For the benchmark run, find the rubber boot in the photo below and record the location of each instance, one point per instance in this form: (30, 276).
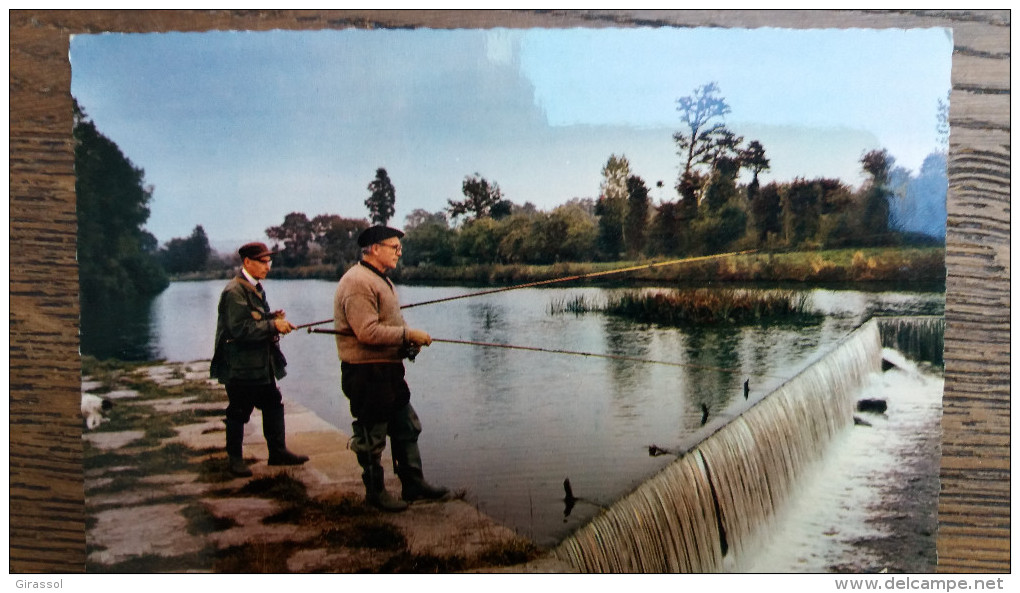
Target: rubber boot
(375, 488)
(235, 439)
(407, 466)
(274, 429)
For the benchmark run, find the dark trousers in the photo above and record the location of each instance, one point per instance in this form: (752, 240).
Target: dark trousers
(242, 400)
(379, 399)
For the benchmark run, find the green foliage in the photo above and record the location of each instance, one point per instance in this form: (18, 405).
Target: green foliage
(527, 236)
(477, 241)
(116, 256)
(192, 254)
(669, 229)
(636, 223)
(875, 217)
(337, 238)
(295, 234)
(722, 185)
(573, 230)
(714, 212)
(517, 244)
(837, 230)
(614, 177)
(427, 240)
(480, 197)
(719, 232)
(912, 265)
(419, 217)
(327, 239)
(611, 207)
(380, 202)
(578, 304)
(753, 159)
(611, 213)
(501, 209)
(801, 205)
(766, 213)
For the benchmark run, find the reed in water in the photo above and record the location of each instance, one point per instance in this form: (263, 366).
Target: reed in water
(694, 306)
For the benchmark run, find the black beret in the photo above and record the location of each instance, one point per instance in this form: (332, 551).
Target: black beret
(255, 251)
(377, 234)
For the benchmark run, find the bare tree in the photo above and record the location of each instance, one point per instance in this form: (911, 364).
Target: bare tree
(702, 114)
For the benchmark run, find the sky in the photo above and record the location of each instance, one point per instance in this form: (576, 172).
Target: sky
(234, 130)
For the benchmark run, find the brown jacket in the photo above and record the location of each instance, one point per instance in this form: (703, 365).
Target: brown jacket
(366, 316)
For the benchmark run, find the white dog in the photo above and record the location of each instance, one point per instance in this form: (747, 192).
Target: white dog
(92, 408)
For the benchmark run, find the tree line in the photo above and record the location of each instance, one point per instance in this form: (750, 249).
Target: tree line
(713, 210)
(717, 205)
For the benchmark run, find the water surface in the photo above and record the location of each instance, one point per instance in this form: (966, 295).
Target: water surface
(509, 426)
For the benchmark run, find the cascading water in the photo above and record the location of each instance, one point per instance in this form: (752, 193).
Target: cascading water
(920, 337)
(667, 525)
(705, 511)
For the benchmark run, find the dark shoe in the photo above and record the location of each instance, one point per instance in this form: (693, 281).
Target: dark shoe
(238, 467)
(285, 457)
(382, 500)
(424, 491)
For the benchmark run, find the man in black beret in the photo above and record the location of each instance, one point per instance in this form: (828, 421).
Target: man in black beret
(372, 339)
(377, 234)
(247, 359)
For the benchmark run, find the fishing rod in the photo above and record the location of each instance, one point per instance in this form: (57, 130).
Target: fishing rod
(586, 354)
(583, 276)
(573, 353)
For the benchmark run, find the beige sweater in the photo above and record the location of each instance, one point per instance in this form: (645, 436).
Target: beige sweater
(366, 315)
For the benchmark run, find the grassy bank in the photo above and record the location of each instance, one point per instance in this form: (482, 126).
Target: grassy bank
(909, 265)
(922, 265)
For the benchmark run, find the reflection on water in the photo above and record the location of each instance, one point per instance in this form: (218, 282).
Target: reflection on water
(122, 330)
(510, 426)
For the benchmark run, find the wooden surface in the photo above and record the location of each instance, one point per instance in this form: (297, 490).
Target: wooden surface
(46, 491)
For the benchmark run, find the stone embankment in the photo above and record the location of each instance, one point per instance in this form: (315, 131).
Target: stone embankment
(159, 497)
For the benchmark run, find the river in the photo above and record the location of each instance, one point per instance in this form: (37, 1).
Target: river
(509, 426)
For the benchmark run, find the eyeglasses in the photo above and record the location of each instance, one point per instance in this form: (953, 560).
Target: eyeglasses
(266, 261)
(397, 248)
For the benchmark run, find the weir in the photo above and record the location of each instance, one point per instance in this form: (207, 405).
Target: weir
(707, 510)
(919, 337)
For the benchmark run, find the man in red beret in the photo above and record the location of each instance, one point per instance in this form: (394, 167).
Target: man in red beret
(372, 340)
(248, 361)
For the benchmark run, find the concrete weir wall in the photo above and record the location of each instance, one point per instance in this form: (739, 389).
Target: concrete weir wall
(705, 511)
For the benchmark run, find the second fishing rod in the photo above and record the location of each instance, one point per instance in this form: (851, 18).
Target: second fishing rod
(570, 278)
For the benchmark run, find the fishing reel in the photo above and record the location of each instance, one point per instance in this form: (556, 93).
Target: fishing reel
(409, 351)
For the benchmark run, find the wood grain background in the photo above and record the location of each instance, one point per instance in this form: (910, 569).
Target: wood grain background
(47, 521)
